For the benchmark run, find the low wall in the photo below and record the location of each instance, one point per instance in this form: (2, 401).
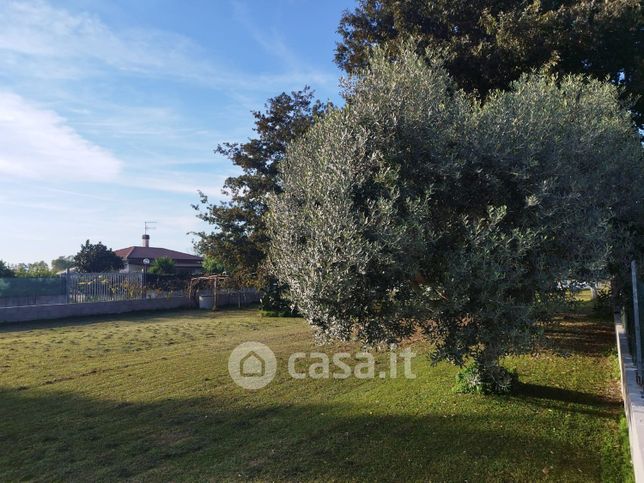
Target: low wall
(633, 401)
(59, 311)
(229, 297)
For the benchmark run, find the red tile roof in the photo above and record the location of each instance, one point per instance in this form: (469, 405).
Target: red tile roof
(139, 253)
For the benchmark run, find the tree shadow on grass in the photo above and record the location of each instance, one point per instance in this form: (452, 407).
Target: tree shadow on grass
(62, 436)
(568, 400)
(582, 337)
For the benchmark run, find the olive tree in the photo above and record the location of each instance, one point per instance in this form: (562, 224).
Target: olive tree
(414, 207)
(561, 158)
(347, 228)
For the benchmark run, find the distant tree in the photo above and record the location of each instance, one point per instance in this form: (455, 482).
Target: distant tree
(239, 237)
(163, 266)
(488, 44)
(62, 263)
(211, 265)
(97, 258)
(36, 269)
(5, 270)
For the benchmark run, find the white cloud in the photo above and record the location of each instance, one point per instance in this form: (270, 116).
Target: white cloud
(170, 182)
(36, 37)
(66, 94)
(39, 144)
(37, 30)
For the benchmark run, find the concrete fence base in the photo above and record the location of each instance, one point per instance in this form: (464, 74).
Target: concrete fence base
(633, 401)
(228, 297)
(59, 311)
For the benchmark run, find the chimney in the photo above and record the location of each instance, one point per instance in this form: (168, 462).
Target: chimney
(146, 240)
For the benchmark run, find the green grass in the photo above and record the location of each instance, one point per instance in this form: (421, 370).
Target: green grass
(148, 397)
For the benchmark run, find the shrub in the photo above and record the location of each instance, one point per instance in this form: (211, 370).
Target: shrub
(163, 266)
(475, 380)
(212, 265)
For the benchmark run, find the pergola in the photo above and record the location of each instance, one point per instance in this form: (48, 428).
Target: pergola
(213, 282)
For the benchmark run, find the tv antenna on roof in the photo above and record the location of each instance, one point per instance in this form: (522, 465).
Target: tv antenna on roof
(149, 225)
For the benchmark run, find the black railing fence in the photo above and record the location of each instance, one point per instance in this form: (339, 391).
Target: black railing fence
(633, 319)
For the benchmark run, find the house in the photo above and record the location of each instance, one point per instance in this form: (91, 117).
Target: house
(134, 256)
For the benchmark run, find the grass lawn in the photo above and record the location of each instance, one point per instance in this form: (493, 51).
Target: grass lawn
(148, 397)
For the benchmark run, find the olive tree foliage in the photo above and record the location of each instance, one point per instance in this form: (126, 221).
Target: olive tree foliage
(417, 208)
(561, 159)
(575, 154)
(347, 230)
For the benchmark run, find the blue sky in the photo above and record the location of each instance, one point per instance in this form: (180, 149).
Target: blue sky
(109, 111)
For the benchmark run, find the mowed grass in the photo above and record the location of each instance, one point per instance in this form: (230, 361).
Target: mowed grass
(148, 397)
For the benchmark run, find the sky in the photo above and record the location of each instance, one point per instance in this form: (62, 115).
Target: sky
(110, 110)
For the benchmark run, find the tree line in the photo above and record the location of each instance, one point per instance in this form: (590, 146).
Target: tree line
(92, 257)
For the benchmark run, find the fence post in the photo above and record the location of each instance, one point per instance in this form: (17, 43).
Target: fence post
(67, 286)
(214, 294)
(636, 322)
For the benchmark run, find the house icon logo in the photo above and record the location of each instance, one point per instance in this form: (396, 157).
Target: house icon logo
(252, 365)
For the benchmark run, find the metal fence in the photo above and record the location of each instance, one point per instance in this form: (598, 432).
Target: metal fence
(78, 288)
(103, 287)
(633, 319)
